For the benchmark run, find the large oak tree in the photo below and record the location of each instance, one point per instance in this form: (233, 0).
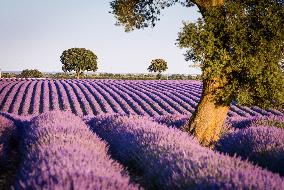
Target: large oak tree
(238, 44)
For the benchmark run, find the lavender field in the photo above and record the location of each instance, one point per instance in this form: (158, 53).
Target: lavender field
(117, 134)
(95, 97)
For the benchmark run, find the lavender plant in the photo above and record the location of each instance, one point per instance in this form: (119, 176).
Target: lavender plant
(132, 103)
(15, 107)
(166, 158)
(28, 99)
(176, 121)
(240, 122)
(103, 104)
(72, 98)
(83, 100)
(263, 146)
(148, 109)
(45, 97)
(54, 98)
(8, 155)
(60, 152)
(7, 133)
(64, 101)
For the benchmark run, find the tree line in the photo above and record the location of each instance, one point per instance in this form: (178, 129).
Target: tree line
(80, 60)
(29, 73)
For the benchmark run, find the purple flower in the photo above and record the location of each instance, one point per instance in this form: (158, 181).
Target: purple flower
(166, 158)
(261, 145)
(7, 135)
(60, 152)
(241, 122)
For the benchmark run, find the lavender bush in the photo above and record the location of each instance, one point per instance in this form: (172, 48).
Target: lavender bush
(171, 100)
(7, 133)
(64, 101)
(60, 152)
(132, 103)
(27, 99)
(9, 158)
(166, 158)
(262, 145)
(83, 100)
(154, 105)
(106, 98)
(73, 99)
(176, 121)
(241, 122)
(102, 104)
(148, 109)
(10, 97)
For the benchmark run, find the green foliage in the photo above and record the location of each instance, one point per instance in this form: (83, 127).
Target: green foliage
(8, 75)
(31, 73)
(136, 14)
(239, 49)
(78, 60)
(128, 76)
(158, 66)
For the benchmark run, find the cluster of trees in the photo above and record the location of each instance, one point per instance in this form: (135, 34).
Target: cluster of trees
(126, 76)
(27, 73)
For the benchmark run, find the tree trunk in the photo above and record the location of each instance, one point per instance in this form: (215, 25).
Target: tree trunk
(78, 75)
(207, 121)
(159, 76)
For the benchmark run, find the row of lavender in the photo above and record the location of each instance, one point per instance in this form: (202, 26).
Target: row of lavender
(60, 152)
(95, 97)
(167, 158)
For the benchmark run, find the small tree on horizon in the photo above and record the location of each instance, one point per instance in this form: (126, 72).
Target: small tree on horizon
(78, 60)
(158, 66)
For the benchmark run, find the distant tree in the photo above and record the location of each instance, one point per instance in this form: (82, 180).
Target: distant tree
(31, 73)
(238, 44)
(78, 60)
(158, 66)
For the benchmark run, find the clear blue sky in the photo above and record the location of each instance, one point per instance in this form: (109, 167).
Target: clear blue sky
(33, 34)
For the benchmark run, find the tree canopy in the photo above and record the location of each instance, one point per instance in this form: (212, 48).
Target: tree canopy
(158, 66)
(31, 73)
(240, 43)
(136, 14)
(78, 60)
